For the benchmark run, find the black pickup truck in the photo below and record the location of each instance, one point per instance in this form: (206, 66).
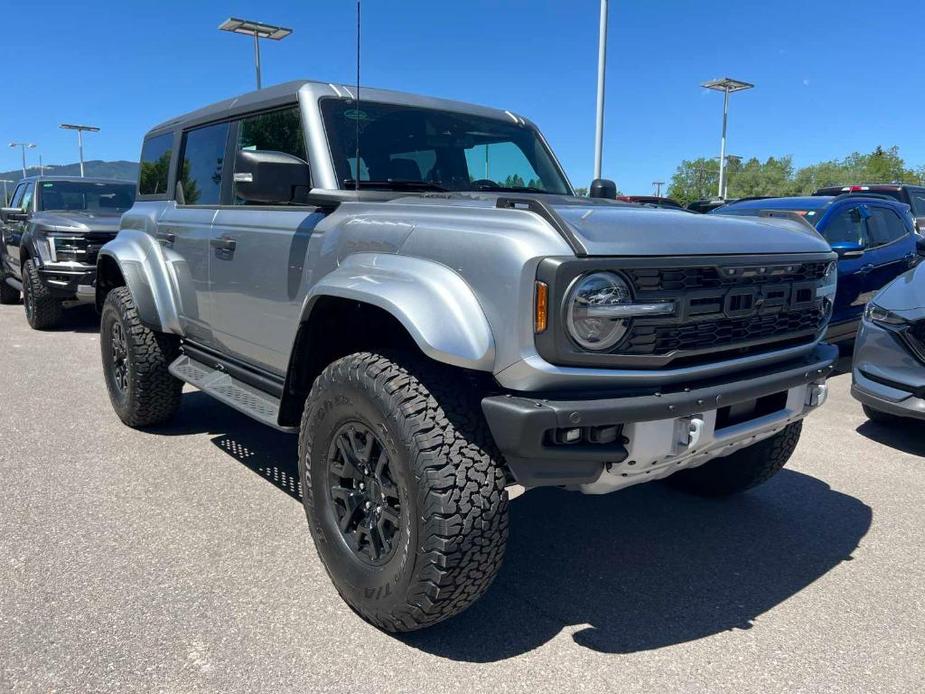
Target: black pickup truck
(49, 239)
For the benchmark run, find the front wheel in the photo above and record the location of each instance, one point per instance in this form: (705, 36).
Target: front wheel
(43, 311)
(741, 470)
(135, 361)
(402, 488)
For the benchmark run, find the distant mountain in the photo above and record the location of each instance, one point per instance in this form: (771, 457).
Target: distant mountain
(126, 170)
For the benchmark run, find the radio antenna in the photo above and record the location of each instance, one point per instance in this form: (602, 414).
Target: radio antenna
(356, 178)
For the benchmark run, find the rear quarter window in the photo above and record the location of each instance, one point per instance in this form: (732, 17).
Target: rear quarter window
(155, 165)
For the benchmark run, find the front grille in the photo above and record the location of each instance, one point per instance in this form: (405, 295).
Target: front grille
(915, 338)
(693, 278)
(721, 333)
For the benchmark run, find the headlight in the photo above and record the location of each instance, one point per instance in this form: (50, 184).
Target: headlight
(880, 316)
(590, 322)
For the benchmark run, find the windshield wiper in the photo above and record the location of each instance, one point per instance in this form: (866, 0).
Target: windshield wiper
(351, 184)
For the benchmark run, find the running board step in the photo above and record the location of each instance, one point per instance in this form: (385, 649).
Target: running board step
(253, 402)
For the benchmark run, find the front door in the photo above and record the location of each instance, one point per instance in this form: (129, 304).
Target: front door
(258, 256)
(11, 231)
(185, 227)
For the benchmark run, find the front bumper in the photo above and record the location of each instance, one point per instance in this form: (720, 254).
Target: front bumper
(886, 376)
(70, 280)
(659, 432)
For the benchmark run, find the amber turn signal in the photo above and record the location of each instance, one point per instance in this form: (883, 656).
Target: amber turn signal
(540, 307)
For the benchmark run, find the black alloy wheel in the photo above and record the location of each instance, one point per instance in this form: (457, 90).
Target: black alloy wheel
(365, 498)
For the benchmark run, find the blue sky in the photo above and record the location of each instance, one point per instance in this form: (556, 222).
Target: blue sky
(832, 77)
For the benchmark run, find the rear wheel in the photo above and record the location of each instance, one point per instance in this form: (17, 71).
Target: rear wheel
(402, 489)
(43, 311)
(741, 470)
(135, 361)
(8, 295)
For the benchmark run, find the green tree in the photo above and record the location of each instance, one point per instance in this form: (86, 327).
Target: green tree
(694, 180)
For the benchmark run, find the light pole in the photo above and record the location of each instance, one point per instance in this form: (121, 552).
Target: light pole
(81, 129)
(259, 31)
(601, 60)
(658, 188)
(24, 146)
(6, 195)
(727, 86)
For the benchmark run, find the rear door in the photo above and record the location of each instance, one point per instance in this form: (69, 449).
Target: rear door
(892, 245)
(186, 223)
(258, 272)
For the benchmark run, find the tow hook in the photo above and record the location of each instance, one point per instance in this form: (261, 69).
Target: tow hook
(816, 394)
(688, 430)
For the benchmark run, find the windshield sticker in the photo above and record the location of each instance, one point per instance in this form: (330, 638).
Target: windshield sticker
(355, 114)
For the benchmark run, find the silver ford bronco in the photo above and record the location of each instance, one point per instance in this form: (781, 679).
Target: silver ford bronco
(411, 285)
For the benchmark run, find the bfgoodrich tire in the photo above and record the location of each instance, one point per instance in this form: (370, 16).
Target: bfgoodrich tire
(135, 361)
(43, 311)
(741, 470)
(404, 496)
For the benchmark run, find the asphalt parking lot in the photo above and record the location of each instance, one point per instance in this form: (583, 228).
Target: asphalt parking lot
(179, 560)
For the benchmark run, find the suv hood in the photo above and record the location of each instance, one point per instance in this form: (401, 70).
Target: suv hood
(78, 222)
(606, 228)
(905, 294)
(613, 230)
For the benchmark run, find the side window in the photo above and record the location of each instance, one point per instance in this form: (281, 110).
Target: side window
(273, 131)
(26, 202)
(885, 226)
(16, 200)
(917, 199)
(155, 165)
(846, 226)
(201, 165)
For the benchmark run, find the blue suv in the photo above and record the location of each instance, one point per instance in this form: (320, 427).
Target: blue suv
(874, 237)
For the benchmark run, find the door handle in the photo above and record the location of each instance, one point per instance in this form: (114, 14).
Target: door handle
(168, 237)
(866, 270)
(223, 244)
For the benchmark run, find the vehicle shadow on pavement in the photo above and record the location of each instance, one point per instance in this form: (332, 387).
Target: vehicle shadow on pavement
(640, 569)
(903, 435)
(649, 567)
(271, 454)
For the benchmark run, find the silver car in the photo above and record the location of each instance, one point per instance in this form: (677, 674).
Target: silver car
(889, 354)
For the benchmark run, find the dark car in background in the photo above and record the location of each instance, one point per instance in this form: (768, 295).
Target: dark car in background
(873, 236)
(49, 239)
(913, 196)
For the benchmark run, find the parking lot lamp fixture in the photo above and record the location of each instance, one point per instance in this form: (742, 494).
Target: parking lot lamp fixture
(258, 30)
(727, 86)
(24, 146)
(81, 129)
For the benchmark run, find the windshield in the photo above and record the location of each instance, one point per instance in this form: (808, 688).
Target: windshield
(86, 196)
(412, 148)
(811, 215)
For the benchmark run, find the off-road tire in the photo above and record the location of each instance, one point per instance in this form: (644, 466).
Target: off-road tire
(43, 311)
(8, 295)
(741, 470)
(151, 395)
(454, 514)
(879, 417)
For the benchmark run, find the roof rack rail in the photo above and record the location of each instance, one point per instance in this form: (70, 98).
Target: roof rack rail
(863, 194)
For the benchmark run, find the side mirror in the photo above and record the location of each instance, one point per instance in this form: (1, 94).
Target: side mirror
(603, 188)
(261, 176)
(848, 249)
(13, 214)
